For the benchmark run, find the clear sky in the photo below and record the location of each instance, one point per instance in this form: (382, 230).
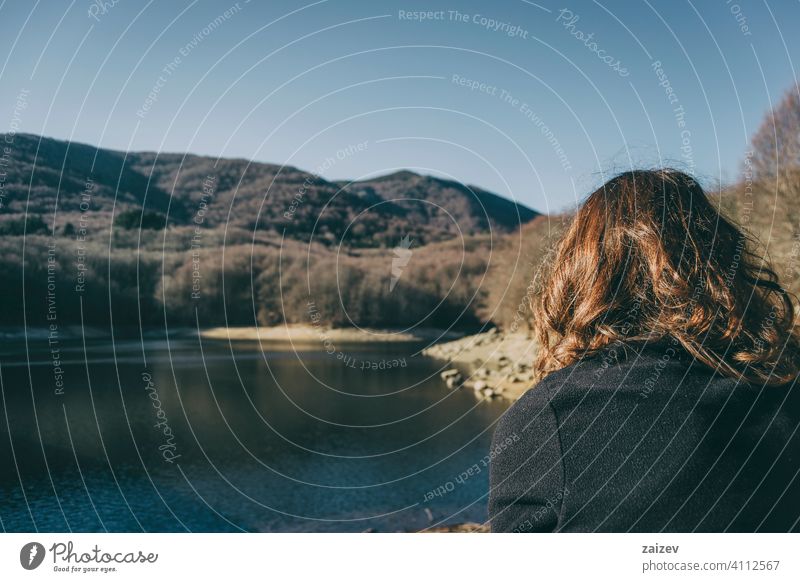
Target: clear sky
(536, 101)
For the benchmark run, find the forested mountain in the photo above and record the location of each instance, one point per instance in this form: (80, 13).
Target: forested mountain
(102, 237)
(46, 178)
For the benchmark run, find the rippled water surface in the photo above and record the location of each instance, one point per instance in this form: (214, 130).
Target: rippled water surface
(181, 435)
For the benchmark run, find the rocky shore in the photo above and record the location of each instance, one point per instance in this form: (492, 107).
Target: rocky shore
(493, 364)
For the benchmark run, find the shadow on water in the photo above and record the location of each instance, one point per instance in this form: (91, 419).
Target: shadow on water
(227, 437)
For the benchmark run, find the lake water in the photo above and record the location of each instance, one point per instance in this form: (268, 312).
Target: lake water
(177, 435)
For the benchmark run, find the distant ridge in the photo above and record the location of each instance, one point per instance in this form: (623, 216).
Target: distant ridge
(370, 213)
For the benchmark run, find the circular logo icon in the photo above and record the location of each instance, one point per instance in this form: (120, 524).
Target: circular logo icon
(31, 555)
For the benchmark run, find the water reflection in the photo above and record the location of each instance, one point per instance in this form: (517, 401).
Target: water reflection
(288, 439)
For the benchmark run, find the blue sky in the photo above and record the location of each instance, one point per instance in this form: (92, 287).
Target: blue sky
(536, 101)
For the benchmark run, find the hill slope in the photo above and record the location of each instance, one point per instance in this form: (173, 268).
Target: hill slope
(250, 195)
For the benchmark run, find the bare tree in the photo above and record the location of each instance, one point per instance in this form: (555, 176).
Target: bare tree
(769, 193)
(775, 156)
(776, 144)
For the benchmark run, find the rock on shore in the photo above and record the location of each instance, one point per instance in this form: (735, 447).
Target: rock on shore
(492, 364)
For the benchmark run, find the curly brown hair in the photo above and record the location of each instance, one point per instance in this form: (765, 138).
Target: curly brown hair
(649, 257)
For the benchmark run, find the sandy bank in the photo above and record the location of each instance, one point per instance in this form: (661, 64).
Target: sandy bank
(310, 333)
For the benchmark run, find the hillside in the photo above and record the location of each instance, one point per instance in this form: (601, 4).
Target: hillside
(246, 195)
(247, 243)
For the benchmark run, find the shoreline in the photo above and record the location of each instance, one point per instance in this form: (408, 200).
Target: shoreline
(493, 364)
(300, 333)
(310, 333)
